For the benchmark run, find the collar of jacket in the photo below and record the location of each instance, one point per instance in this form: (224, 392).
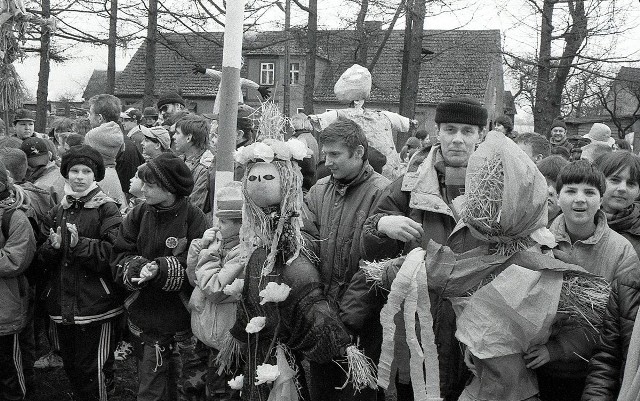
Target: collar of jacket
(92, 200)
(205, 158)
(365, 172)
(173, 210)
(40, 171)
(424, 185)
(560, 229)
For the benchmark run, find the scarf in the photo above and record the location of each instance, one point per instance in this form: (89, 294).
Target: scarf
(625, 221)
(451, 180)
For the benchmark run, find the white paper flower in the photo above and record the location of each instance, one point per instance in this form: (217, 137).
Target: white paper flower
(234, 289)
(298, 149)
(262, 151)
(266, 373)
(255, 324)
(280, 148)
(241, 155)
(236, 383)
(274, 293)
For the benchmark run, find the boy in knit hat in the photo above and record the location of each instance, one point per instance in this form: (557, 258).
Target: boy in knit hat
(150, 258)
(42, 170)
(106, 137)
(18, 247)
(81, 297)
(215, 261)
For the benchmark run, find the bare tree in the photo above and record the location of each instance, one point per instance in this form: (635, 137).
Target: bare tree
(412, 57)
(150, 54)
(621, 100)
(43, 75)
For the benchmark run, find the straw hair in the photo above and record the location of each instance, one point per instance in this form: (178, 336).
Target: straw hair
(483, 206)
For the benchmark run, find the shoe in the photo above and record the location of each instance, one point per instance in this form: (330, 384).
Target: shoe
(123, 351)
(51, 360)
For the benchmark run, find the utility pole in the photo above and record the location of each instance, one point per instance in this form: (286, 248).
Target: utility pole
(287, 63)
(111, 58)
(150, 54)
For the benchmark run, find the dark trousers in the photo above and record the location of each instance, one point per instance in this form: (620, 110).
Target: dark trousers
(327, 379)
(560, 389)
(158, 367)
(28, 341)
(87, 353)
(12, 385)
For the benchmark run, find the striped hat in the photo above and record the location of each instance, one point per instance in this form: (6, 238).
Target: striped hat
(229, 200)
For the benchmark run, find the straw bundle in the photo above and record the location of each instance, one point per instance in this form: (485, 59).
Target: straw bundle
(584, 298)
(272, 122)
(361, 373)
(374, 271)
(483, 205)
(12, 90)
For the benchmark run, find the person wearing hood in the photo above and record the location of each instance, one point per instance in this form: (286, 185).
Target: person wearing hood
(16, 252)
(336, 208)
(620, 199)
(106, 137)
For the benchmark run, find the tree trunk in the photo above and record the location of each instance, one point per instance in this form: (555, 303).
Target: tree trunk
(150, 55)
(43, 76)
(406, 55)
(111, 59)
(312, 45)
(550, 86)
(363, 43)
(410, 82)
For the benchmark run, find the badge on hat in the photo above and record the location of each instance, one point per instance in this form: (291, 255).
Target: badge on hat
(171, 242)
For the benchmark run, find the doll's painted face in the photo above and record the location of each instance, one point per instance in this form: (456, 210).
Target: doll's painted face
(263, 185)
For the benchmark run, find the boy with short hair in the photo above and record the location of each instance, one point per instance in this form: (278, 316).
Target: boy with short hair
(585, 239)
(80, 295)
(150, 258)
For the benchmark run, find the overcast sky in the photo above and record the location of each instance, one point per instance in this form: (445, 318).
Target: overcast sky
(70, 78)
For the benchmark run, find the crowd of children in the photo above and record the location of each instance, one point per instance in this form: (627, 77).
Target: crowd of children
(142, 262)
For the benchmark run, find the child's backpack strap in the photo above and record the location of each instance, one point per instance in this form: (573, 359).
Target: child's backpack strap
(6, 222)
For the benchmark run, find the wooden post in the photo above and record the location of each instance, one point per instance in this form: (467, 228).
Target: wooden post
(229, 94)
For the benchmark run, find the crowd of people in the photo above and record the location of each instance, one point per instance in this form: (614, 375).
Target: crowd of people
(109, 250)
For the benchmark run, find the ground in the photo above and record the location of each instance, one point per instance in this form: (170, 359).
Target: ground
(52, 384)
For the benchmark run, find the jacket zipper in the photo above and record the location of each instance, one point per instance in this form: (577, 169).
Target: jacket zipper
(104, 285)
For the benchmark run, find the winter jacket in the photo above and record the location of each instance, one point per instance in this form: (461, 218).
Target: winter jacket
(127, 162)
(48, 177)
(213, 268)
(16, 253)
(200, 166)
(112, 188)
(606, 253)
(334, 216)
(438, 221)
(607, 364)
(80, 287)
(627, 224)
(157, 308)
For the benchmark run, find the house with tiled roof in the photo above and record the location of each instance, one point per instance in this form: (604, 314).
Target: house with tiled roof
(458, 62)
(97, 84)
(623, 100)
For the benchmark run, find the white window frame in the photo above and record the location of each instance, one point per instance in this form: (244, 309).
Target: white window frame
(299, 110)
(294, 73)
(267, 73)
(326, 110)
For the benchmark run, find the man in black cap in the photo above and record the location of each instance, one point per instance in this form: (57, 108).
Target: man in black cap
(170, 103)
(415, 209)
